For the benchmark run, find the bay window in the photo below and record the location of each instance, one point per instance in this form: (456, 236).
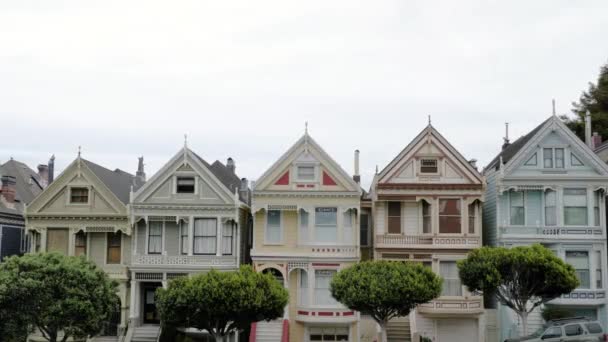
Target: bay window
(580, 261)
(155, 237)
(449, 216)
(326, 225)
(323, 295)
(550, 208)
(452, 286)
(575, 207)
(273, 232)
(518, 213)
(394, 217)
(205, 236)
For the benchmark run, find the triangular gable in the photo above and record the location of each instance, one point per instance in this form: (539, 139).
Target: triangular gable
(577, 147)
(185, 161)
(403, 168)
(53, 200)
(306, 150)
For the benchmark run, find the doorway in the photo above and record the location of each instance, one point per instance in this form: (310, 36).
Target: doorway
(150, 313)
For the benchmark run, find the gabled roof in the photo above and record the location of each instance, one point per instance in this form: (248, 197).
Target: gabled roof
(118, 181)
(28, 185)
(223, 174)
(430, 130)
(512, 149)
(306, 139)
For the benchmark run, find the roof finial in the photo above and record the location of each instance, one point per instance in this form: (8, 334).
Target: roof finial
(376, 168)
(429, 119)
(185, 140)
(79, 151)
(553, 102)
(306, 127)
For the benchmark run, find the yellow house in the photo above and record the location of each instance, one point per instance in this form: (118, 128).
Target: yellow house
(306, 218)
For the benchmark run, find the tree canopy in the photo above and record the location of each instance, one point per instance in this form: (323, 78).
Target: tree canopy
(385, 289)
(221, 302)
(55, 294)
(521, 278)
(594, 100)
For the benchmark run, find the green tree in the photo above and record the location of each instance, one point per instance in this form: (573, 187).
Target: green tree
(521, 278)
(221, 302)
(54, 294)
(594, 100)
(385, 289)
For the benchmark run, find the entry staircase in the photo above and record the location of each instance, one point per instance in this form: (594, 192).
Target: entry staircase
(398, 330)
(145, 333)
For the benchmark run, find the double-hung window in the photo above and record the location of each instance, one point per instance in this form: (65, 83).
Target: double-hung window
(155, 237)
(79, 195)
(183, 227)
(553, 158)
(80, 244)
(580, 261)
(326, 224)
(426, 217)
(303, 226)
(306, 173)
(114, 248)
(472, 218)
(273, 232)
(227, 239)
(205, 236)
(550, 208)
(323, 295)
(451, 281)
(575, 207)
(449, 216)
(394, 217)
(518, 215)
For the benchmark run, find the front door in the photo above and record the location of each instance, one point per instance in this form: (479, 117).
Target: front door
(149, 300)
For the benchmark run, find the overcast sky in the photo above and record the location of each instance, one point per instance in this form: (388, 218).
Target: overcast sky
(124, 79)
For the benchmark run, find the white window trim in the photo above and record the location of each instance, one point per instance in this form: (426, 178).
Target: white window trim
(282, 228)
(554, 159)
(589, 206)
(122, 250)
(185, 175)
(463, 212)
(438, 271)
(314, 165)
(69, 197)
(338, 226)
(162, 252)
(524, 205)
(313, 287)
(218, 230)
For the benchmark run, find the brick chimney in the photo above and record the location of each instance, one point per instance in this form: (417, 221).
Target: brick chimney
(230, 165)
(9, 188)
(43, 172)
(140, 174)
(596, 139)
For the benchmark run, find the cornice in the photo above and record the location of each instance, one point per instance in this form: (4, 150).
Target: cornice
(305, 194)
(428, 186)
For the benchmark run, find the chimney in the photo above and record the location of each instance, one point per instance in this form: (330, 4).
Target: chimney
(51, 169)
(43, 173)
(506, 138)
(140, 174)
(9, 188)
(356, 175)
(230, 165)
(596, 139)
(473, 163)
(588, 130)
(244, 189)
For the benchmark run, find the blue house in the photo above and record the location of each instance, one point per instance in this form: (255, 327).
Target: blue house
(549, 187)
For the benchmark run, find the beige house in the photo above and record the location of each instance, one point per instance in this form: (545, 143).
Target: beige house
(306, 217)
(427, 208)
(190, 217)
(84, 212)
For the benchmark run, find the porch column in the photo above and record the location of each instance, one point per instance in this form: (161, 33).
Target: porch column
(190, 235)
(590, 206)
(134, 239)
(218, 236)
(71, 240)
(340, 225)
(133, 302)
(43, 234)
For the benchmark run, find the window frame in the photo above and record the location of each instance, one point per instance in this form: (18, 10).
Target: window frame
(389, 216)
(523, 206)
(183, 226)
(194, 236)
(460, 290)
(422, 166)
(586, 216)
(334, 303)
(148, 236)
(79, 187)
(427, 218)
(336, 226)
(83, 246)
(228, 226)
(439, 215)
(184, 177)
(472, 218)
(108, 247)
(280, 227)
(315, 173)
(588, 270)
(546, 206)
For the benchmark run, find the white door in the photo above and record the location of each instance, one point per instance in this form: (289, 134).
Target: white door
(457, 330)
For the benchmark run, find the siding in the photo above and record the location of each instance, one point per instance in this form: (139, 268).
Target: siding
(410, 219)
(379, 218)
(489, 226)
(171, 238)
(533, 208)
(126, 250)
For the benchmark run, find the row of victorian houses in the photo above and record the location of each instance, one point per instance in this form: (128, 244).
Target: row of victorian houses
(306, 218)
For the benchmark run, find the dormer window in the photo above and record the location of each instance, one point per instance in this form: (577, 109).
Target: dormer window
(185, 185)
(428, 166)
(306, 173)
(79, 195)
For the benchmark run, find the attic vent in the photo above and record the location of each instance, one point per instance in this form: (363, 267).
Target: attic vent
(428, 166)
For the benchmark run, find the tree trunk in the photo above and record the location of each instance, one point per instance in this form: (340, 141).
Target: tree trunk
(219, 338)
(524, 322)
(383, 336)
